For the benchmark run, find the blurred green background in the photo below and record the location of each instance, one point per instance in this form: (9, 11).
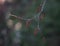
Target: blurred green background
(49, 33)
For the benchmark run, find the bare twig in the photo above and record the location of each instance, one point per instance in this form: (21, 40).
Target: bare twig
(42, 8)
(34, 15)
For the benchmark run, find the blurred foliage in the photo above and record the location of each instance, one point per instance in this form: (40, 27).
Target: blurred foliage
(50, 23)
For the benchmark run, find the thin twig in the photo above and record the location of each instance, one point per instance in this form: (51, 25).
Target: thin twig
(42, 8)
(34, 15)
